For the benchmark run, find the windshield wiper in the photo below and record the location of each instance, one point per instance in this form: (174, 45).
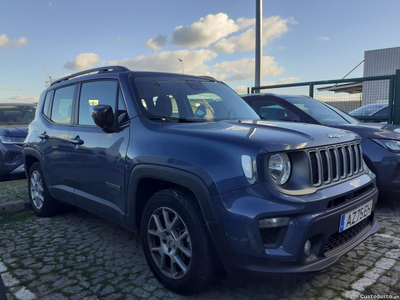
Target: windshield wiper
(179, 120)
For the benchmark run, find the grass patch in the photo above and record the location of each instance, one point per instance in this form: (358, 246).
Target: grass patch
(14, 217)
(13, 191)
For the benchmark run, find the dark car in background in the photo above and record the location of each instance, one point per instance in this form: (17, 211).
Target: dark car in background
(380, 142)
(187, 163)
(14, 121)
(371, 110)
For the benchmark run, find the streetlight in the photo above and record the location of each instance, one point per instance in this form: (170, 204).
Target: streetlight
(181, 60)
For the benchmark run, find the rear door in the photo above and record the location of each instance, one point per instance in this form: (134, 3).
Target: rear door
(57, 121)
(98, 157)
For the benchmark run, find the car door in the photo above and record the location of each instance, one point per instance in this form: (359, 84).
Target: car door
(54, 146)
(98, 158)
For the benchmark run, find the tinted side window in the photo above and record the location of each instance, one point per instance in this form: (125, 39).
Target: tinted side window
(47, 102)
(96, 93)
(61, 111)
(383, 112)
(271, 111)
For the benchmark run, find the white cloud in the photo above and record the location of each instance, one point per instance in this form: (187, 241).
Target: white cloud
(205, 31)
(281, 81)
(243, 69)
(241, 89)
(244, 23)
(6, 42)
(20, 99)
(157, 43)
(324, 38)
(167, 61)
(7, 88)
(82, 62)
(273, 27)
(50, 4)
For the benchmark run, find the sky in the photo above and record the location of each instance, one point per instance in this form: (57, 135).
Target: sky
(303, 40)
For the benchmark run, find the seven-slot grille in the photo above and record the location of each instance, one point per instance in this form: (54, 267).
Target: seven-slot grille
(333, 163)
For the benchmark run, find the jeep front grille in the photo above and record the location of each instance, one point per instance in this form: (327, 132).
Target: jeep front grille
(334, 163)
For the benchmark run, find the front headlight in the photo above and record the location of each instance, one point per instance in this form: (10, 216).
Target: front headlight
(391, 145)
(279, 168)
(11, 139)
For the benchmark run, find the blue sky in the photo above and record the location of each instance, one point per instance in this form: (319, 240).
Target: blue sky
(304, 40)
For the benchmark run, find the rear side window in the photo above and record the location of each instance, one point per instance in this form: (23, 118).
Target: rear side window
(96, 93)
(47, 102)
(61, 111)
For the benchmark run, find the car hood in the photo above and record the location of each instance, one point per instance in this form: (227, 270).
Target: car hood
(269, 135)
(14, 130)
(374, 130)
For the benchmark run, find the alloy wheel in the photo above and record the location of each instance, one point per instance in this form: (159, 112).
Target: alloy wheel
(37, 190)
(169, 243)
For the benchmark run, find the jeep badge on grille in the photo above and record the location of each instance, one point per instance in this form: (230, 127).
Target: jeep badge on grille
(334, 135)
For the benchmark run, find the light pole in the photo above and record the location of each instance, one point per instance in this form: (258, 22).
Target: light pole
(259, 17)
(181, 60)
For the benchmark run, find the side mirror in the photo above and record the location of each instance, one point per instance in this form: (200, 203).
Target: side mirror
(103, 116)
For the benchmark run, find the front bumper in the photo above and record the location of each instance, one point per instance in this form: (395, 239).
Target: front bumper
(312, 217)
(11, 161)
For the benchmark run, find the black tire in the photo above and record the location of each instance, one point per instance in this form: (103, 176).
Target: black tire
(203, 260)
(50, 206)
(4, 177)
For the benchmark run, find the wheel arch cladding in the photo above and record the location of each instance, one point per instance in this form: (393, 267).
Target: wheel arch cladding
(146, 180)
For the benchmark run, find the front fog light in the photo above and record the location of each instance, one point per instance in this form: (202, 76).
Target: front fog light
(273, 222)
(307, 248)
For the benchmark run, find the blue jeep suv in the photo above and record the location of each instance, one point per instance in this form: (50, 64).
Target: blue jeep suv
(188, 164)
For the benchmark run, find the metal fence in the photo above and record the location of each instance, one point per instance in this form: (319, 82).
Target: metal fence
(373, 98)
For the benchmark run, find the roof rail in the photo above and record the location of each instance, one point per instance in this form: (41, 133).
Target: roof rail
(116, 69)
(209, 77)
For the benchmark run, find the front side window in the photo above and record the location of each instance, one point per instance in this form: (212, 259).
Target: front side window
(93, 94)
(270, 110)
(181, 98)
(16, 114)
(61, 111)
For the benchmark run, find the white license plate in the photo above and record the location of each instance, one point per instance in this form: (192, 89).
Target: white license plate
(355, 216)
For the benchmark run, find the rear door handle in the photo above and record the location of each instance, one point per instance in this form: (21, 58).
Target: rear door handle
(76, 141)
(43, 136)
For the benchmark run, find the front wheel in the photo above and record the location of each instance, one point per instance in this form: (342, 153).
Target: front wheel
(42, 203)
(176, 242)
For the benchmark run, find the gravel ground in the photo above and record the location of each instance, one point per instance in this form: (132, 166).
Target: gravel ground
(78, 255)
(13, 191)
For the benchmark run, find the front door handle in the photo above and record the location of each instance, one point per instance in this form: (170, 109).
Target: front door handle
(76, 141)
(43, 136)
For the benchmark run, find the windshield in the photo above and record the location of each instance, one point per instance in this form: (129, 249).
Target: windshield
(16, 114)
(367, 110)
(188, 99)
(322, 112)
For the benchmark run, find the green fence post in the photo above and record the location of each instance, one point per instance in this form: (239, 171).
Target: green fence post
(396, 99)
(311, 90)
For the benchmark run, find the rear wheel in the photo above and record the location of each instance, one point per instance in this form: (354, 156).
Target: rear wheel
(42, 203)
(176, 242)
